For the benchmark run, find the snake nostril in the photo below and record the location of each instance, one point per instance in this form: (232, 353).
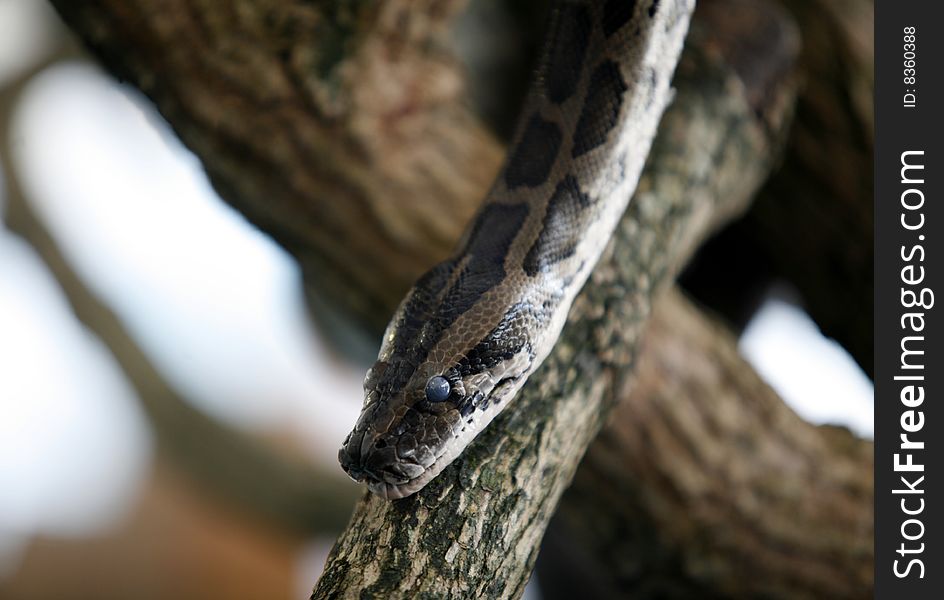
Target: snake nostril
(380, 443)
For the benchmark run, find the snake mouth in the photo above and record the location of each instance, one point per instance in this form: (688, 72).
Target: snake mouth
(387, 474)
(396, 480)
(401, 479)
(393, 475)
(396, 491)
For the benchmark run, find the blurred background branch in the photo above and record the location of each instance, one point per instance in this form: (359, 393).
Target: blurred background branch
(812, 224)
(274, 485)
(248, 479)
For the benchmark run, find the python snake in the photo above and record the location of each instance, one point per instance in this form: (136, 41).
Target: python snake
(473, 328)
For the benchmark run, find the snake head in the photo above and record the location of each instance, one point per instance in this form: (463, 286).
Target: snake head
(458, 348)
(407, 434)
(392, 444)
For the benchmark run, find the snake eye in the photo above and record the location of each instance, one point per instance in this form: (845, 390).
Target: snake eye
(437, 389)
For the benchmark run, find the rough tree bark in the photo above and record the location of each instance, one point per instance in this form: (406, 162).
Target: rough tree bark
(295, 108)
(704, 484)
(628, 497)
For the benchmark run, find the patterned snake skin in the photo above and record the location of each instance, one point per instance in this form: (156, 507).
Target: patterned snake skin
(472, 329)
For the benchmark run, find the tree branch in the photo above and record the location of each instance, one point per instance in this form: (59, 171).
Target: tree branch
(812, 224)
(703, 475)
(299, 108)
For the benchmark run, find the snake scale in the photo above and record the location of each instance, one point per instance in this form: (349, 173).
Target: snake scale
(474, 327)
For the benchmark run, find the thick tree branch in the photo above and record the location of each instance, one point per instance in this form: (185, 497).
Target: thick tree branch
(335, 127)
(704, 484)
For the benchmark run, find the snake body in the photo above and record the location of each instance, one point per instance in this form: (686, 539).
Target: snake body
(473, 328)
